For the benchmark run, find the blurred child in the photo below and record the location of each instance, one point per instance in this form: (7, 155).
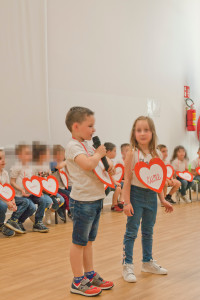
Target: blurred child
(111, 154)
(173, 183)
(179, 162)
(59, 163)
(25, 207)
(41, 159)
(125, 148)
(196, 164)
(4, 205)
(86, 200)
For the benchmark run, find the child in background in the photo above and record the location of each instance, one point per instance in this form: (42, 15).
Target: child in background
(139, 201)
(179, 162)
(86, 200)
(196, 164)
(41, 158)
(125, 148)
(111, 154)
(25, 207)
(59, 163)
(4, 205)
(173, 183)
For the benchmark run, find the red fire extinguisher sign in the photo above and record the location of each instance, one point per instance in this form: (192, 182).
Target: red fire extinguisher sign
(186, 91)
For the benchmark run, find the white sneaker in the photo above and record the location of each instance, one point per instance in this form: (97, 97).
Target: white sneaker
(48, 216)
(128, 273)
(186, 199)
(153, 267)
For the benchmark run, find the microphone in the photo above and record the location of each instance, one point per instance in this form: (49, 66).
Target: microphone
(96, 144)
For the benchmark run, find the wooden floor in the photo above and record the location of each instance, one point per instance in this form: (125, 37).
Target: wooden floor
(36, 266)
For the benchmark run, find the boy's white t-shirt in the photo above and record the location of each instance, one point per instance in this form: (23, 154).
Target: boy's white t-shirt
(4, 177)
(18, 171)
(179, 165)
(86, 185)
(195, 163)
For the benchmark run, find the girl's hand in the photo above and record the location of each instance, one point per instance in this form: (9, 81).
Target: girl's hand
(118, 184)
(168, 206)
(128, 210)
(24, 194)
(12, 206)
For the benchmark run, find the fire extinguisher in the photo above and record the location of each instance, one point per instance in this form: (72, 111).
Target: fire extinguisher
(190, 115)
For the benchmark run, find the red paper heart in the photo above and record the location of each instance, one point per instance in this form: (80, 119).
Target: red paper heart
(64, 178)
(152, 175)
(119, 172)
(100, 172)
(33, 185)
(185, 175)
(198, 170)
(171, 171)
(7, 192)
(50, 185)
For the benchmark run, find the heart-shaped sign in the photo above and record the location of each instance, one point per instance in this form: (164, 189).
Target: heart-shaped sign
(198, 170)
(33, 185)
(64, 178)
(119, 172)
(50, 185)
(185, 175)
(100, 172)
(7, 192)
(170, 171)
(152, 175)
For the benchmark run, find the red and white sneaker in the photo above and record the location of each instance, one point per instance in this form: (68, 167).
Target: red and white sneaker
(100, 283)
(85, 288)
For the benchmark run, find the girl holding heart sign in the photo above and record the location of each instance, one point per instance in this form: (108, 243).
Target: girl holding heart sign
(195, 167)
(179, 162)
(6, 194)
(145, 176)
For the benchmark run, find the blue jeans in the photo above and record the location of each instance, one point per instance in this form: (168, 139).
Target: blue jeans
(25, 209)
(185, 185)
(3, 209)
(144, 202)
(197, 177)
(85, 216)
(43, 202)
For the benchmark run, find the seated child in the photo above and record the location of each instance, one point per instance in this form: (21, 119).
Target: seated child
(4, 205)
(111, 154)
(59, 163)
(179, 162)
(196, 164)
(173, 183)
(41, 168)
(25, 207)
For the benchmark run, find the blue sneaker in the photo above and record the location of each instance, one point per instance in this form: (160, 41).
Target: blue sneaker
(7, 231)
(85, 288)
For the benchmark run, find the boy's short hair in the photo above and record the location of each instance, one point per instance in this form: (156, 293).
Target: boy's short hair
(161, 146)
(124, 145)
(77, 114)
(109, 146)
(20, 147)
(58, 148)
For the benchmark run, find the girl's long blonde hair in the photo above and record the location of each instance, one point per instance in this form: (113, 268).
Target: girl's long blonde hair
(153, 142)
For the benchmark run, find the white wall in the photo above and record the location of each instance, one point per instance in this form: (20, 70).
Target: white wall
(112, 55)
(109, 55)
(23, 78)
